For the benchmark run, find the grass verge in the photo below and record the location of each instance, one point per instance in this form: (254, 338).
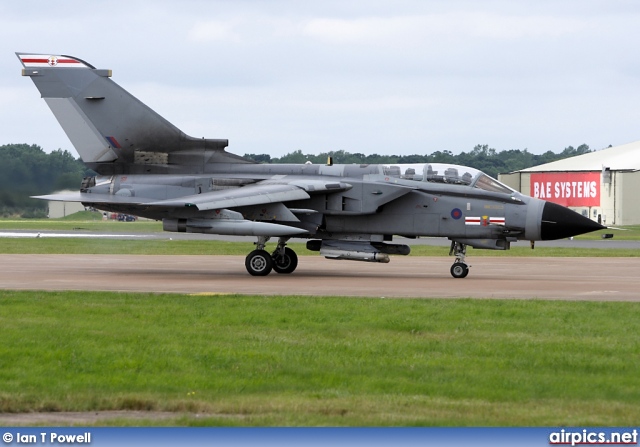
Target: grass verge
(86, 221)
(311, 361)
(213, 247)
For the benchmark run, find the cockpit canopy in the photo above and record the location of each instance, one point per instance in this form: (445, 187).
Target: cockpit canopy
(447, 174)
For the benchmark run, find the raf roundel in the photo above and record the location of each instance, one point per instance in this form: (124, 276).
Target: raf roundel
(456, 213)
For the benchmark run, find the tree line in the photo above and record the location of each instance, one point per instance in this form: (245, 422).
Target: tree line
(27, 170)
(482, 157)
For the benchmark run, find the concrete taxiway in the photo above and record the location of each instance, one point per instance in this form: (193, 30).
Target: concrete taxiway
(595, 279)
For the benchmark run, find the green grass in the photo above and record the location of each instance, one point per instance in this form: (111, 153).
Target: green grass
(627, 233)
(84, 220)
(91, 221)
(301, 361)
(45, 245)
(133, 247)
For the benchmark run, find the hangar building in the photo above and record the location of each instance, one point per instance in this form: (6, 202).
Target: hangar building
(63, 209)
(603, 185)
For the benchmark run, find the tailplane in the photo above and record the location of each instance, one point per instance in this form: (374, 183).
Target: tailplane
(112, 130)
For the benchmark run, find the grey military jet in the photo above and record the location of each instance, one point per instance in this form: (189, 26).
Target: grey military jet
(147, 167)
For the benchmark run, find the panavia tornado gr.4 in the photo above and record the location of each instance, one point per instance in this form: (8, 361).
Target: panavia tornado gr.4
(149, 168)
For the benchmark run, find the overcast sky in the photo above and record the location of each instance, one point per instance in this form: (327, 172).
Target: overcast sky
(386, 77)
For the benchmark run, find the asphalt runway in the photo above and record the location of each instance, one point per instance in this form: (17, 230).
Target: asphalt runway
(594, 279)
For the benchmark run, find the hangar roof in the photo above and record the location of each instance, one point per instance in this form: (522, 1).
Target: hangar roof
(619, 158)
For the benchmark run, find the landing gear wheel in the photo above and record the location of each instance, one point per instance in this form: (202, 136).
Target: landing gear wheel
(259, 263)
(285, 263)
(459, 270)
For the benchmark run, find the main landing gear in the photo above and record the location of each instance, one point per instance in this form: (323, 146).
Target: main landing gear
(260, 263)
(459, 269)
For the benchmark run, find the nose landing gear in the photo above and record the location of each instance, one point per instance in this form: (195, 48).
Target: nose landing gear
(459, 269)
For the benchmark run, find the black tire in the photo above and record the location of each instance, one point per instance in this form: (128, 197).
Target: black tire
(286, 263)
(258, 263)
(459, 270)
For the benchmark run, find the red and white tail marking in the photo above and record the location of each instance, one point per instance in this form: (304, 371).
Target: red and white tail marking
(45, 60)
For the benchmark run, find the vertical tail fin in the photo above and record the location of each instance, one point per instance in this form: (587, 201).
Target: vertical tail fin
(107, 125)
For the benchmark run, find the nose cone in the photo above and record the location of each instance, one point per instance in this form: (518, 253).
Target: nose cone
(559, 222)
